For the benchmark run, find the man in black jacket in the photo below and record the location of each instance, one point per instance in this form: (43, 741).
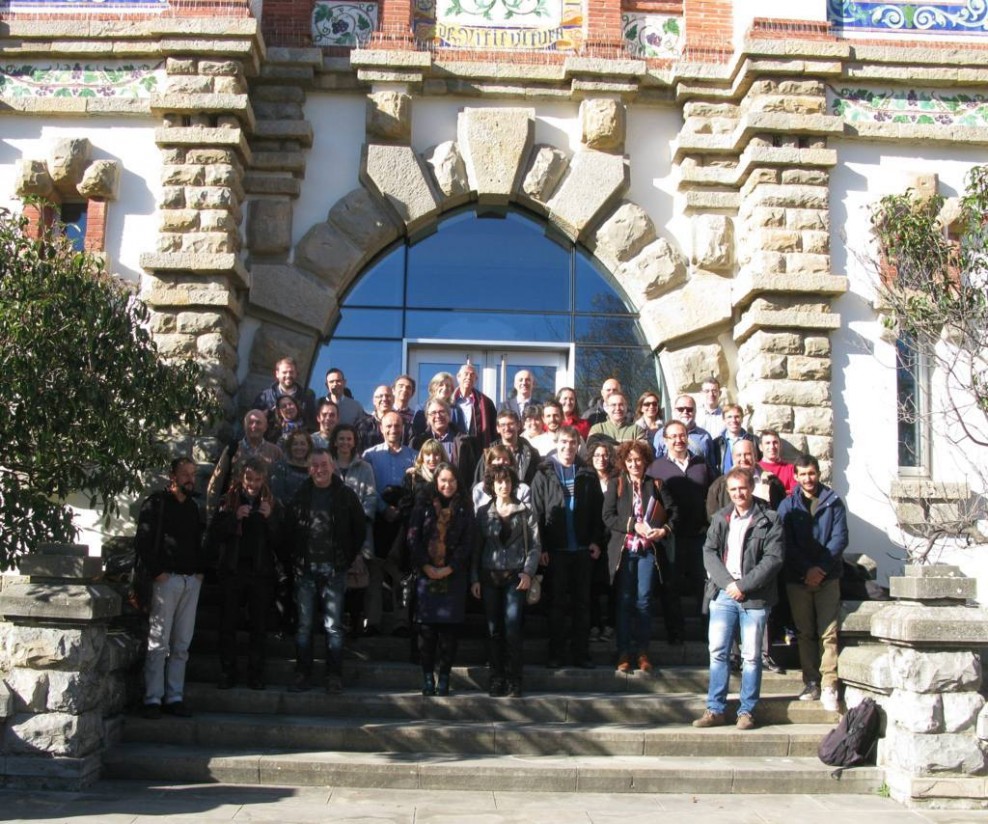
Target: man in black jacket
(743, 554)
(169, 547)
(687, 478)
(324, 530)
(565, 494)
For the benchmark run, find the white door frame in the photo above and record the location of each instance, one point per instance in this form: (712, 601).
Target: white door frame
(495, 356)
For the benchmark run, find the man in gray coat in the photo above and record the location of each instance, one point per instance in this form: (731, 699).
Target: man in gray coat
(743, 555)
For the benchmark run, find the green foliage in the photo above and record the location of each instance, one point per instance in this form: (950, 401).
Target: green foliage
(85, 395)
(935, 286)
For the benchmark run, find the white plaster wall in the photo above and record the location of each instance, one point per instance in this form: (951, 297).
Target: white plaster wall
(332, 164)
(747, 11)
(132, 223)
(864, 367)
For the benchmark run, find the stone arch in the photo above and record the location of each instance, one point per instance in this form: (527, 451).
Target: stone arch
(494, 160)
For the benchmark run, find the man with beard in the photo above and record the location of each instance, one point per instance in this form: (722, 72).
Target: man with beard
(169, 547)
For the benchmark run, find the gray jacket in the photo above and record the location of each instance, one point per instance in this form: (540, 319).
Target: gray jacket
(519, 552)
(762, 556)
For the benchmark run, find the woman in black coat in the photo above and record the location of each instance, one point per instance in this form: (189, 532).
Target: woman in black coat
(440, 539)
(637, 510)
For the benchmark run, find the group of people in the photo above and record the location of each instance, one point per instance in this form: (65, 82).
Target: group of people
(452, 501)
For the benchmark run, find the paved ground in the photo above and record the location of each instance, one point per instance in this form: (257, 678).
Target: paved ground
(129, 802)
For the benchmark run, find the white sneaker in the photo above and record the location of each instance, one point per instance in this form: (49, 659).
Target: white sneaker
(828, 697)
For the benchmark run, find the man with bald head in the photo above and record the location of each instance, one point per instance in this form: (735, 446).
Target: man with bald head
(768, 489)
(524, 396)
(597, 411)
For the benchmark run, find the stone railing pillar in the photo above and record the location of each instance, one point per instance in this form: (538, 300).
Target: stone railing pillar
(64, 673)
(928, 680)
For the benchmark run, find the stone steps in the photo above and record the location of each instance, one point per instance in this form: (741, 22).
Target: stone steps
(665, 707)
(345, 733)
(553, 773)
(387, 676)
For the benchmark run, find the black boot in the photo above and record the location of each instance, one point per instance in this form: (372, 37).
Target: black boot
(428, 684)
(498, 688)
(442, 688)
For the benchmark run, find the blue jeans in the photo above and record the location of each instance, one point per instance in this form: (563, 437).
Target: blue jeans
(726, 615)
(330, 589)
(504, 609)
(634, 602)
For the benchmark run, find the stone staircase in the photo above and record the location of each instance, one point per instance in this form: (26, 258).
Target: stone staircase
(574, 731)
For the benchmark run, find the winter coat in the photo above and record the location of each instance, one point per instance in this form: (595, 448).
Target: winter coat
(443, 601)
(549, 502)
(347, 526)
(619, 514)
(491, 552)
(761, 557)
(814, 540)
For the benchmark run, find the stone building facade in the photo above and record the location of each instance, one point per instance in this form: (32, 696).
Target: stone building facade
(248, 164)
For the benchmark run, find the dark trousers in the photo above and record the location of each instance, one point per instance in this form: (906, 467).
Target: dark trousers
(504, 609)
(668, 589)
(437, 646)
(569, 614)
(256, 592)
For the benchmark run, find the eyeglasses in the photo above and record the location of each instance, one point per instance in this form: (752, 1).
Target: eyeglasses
(650, 403)
(438, 413)
(686, 409)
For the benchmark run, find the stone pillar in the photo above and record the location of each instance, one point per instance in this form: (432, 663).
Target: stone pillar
(197, 283)
(64, 670)
(935, 749)
(780, 297)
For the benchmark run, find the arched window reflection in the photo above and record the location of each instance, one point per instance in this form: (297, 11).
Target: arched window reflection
(487, 277)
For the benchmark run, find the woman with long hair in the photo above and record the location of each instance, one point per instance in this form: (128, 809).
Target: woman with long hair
(601, 600)
(504, 563)
(292, 470)
(284, 419)
(636, 510)
(571, 412)
(440, 540)
(418, 477)
(648, 415)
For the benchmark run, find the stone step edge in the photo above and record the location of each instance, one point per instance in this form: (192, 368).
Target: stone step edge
(679, 774)
(801, 731)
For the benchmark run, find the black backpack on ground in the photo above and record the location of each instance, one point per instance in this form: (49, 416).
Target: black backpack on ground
(852, 742)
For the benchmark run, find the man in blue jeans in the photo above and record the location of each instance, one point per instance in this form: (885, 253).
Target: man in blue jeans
(324, 530)
(743, 555)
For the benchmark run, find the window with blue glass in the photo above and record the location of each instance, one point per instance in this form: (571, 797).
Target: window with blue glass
(487, 276)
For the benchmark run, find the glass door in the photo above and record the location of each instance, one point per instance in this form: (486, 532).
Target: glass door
(497, 365)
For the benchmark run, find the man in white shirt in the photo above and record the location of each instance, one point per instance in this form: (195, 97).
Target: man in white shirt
(743, 555)
(710, 416)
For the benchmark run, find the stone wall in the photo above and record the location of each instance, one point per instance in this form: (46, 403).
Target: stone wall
(64, 671)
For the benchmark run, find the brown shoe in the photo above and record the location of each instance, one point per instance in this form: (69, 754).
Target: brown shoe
(710, 719)
(644, 664)
(745, 721)
(624, 664)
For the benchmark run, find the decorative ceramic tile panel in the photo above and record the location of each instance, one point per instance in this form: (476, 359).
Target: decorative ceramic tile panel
(907, 16)
(343, 24)
(111, 79)
(75, 6)
(532, 25)
(652, 35)
(913, 107)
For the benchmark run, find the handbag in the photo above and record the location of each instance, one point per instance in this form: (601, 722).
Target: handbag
(534, 594)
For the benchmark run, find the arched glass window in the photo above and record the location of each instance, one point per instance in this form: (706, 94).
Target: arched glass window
(487, 280)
